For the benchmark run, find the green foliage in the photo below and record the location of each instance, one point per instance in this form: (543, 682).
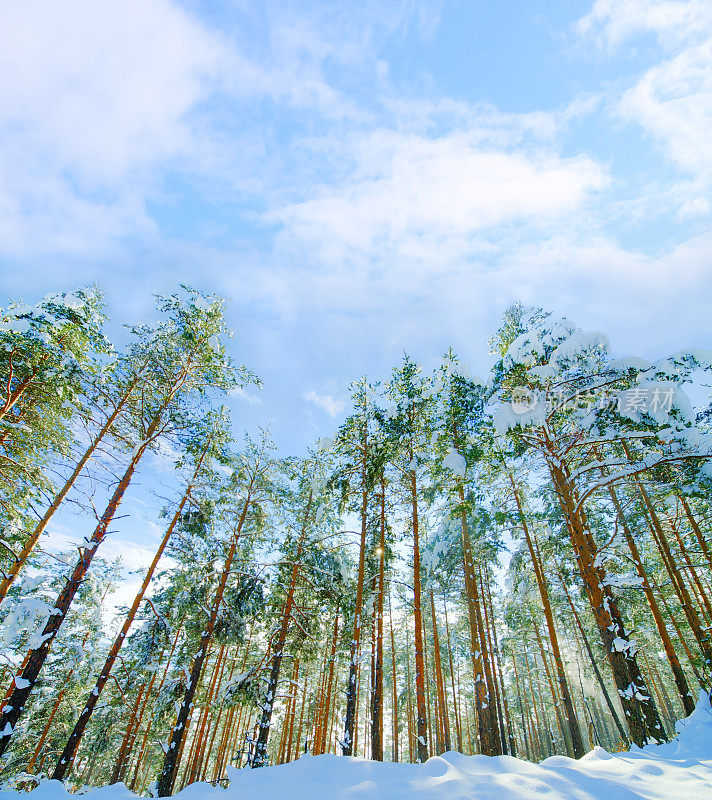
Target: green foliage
(299, 518)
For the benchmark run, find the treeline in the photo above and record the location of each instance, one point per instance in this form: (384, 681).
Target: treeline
(516, 565)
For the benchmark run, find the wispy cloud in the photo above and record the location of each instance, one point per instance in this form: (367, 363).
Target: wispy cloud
(95, 98)
(418, 197)
(321, 165)
(672, 100)
(611, 22)
(244, 396)
(333, 406)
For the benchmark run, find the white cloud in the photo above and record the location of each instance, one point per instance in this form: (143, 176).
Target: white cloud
(101, 102)
(93, 97)
(418, 197)
(671, 101)
(612, 22)
(597, 282)
(106, 87)
(246, 397)
(331, 405)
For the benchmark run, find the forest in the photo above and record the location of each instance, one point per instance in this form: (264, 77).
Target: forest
(514, 564)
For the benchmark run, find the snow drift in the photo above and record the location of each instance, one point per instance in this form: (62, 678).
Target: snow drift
(678, 770)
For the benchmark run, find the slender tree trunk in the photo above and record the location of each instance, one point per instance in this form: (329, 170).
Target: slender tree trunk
(596, 670)
(271, 694)
(137, 724)
(75, 737)
(561, 725)
(193, 769)
(368, 706)
(421, 722)
(331, 728)
(497, 653)
(293, 701)
(358, 696)
(208, 738)
(45, 731)
(291, 711)
(377, 705)
(320, 710)
(225, 736)
(231, 736)
(205, 759)
(638, 704)
(218, 755)
(573, 724)
(409, 697)
(179, 627)
(186, 764)
(691, 660)
(432, 708)
(469, 732)
(458, 727)
(440, 683)
(490, 649)
(489, 739)
(677, 671)
(25, 682)
(347, 746)
(678, 582)
(703, 639)
(697, 531)
(39, 529)
(301, 714)
(239, 743)
(701, 591)
(177, 739)
(394, 710)
(653, 679)
(528, 750)
(539, 728)
(127, 735)
(329, 685)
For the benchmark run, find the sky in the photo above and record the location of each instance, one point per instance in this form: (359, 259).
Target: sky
(362, 178)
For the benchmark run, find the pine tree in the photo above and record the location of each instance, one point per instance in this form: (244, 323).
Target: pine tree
(250, 483)
(183, 363)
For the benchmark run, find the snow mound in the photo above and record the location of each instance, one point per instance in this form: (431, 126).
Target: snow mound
(694, 735)
(678, 770)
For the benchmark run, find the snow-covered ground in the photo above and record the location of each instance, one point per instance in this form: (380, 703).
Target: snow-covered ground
(679, 770)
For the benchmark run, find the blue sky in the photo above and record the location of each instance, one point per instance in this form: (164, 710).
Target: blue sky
(363, 178)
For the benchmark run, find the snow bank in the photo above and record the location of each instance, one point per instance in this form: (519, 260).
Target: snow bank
(694, 735)
(678, 770)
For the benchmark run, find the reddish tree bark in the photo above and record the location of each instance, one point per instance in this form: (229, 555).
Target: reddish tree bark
(67, 756)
